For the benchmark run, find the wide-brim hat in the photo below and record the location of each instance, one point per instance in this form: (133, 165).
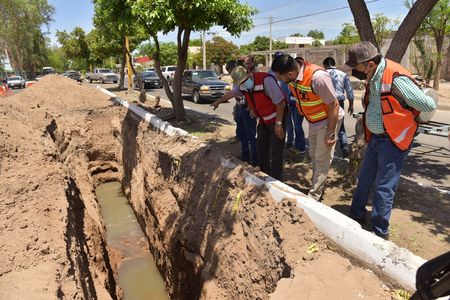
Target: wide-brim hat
(239, 75)
(359, 53)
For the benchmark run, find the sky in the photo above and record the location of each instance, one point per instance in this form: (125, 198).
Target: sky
(69, 14)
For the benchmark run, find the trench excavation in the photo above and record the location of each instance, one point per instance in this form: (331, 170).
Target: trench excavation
(211, 235)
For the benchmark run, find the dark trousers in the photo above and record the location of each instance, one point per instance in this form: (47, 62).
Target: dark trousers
(270, 150)
(246, 132)
(342, 136)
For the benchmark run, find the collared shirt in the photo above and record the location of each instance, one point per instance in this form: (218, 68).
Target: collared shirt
(403, 89)
(323, 87)
(341, 84)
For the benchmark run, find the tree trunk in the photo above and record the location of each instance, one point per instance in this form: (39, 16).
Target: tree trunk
(408, 28)
(439, 38)
(122, 67)
(183, 43)
(157, 58)
(362, 21)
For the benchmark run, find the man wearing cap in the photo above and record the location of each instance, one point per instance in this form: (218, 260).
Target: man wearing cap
(391, 104)
(245, 124)
(316, 101)
(342, 85)
(267, 102)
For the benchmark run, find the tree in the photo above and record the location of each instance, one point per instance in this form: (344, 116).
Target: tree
(261, 43)
(298, 34)
(21, 33)
(168, 52)
(348, 36)
(101, 48)
(75, 47)
(381, 28)
(405, 32)
(316, 34)
(195, 42)
(115, 22)
(437, 25)
(218, 51)
(185, 17)
(57, 59)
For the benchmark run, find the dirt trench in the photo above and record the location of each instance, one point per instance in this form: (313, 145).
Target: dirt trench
(212, 236)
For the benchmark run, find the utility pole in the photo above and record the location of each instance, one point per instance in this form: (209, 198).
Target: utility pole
(204, 50)
(270, 40)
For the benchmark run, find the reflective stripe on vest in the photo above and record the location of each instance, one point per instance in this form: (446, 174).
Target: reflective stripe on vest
(309, 104)
(258, 101)
(399, 122)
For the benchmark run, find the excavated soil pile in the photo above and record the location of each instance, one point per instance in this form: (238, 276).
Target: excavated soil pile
(212, 236)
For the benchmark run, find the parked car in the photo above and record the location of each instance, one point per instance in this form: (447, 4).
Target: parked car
(203, 85)
(168, 73)
(149, 80)
(103, 75)
(15, 82)
(75, 75)
(149, 69)
(38, 77)
(47, 70)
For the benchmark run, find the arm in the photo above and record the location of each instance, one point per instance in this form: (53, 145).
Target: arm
(349, 91)
(224, 98)
(333, 113)
(274, 92)
(404, 88)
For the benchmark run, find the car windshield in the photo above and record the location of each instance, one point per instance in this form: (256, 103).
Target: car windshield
(14, 78)
(171, 68)
(104, 71)
(149, 74)
(199, 75)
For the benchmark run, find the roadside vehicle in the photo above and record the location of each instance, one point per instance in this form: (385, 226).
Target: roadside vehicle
(15, 82)
(47, 70)
(103, 75)
(168, 73)
(203, 85)
(75, 75)
(149, 69)
(38, 77)
(149, 80)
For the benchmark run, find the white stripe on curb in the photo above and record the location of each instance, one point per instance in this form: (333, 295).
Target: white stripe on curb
(397, 263)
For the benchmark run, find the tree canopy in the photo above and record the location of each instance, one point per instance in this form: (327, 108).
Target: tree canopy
(75, 47)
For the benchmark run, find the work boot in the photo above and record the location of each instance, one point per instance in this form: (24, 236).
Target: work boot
(345, 152)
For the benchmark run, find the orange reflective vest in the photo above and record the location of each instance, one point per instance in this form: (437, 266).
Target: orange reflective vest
(308, 103)
(399, 121)
(257, 99)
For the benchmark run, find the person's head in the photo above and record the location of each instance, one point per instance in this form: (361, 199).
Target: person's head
(300, 60)
(242, 78)
(249, 63)
(231, 65)
(363, 60)
(329, 62)
(285, 68)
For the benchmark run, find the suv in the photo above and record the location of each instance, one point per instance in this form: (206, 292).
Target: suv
(15, 82)
(203, 84)
(168, 73)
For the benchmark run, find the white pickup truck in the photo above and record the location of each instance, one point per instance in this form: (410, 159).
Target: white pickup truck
(103, 75)
(168, 73)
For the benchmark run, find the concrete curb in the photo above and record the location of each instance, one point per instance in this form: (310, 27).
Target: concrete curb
(399, 264)
(148, 117)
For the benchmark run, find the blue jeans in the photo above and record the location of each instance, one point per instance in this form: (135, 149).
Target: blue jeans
(381, 166)
(342, 136)
(294, 127)
(246, 133)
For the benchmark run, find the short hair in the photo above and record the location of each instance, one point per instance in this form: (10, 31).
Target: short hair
(329, 61)
(250, 56)
(299, 59)
(376, 59)
(231, 65)
(283, 64)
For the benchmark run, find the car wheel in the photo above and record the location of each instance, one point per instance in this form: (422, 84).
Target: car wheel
(115, 81)
(103, 81)
(196, 97)
(90, 80)
(169, 81)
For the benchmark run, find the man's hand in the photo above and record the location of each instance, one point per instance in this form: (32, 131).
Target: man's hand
(350, 108)
(330, 139)
(215, 104)
(279, 131)
(252, 114)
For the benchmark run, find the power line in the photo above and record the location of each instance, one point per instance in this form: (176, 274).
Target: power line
(311, 14)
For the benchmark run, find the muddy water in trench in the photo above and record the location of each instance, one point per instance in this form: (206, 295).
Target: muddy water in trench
(138, 276)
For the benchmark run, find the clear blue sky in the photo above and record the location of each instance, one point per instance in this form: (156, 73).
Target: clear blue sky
(69, 14)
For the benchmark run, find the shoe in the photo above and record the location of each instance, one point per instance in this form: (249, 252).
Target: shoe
(345, 152)
(363, 221)
(288, 146)
(297, 151)
(383, 236)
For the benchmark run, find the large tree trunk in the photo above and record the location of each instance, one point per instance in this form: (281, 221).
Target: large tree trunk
(157, 59)
(362, 21)
(409, 26)
(439, 37)
(183, 43)
(122, 67)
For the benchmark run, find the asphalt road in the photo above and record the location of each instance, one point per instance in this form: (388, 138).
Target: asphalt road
(428, 162)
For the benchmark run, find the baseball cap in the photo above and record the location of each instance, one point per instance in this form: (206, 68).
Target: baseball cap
(239, 75)
(359, 53)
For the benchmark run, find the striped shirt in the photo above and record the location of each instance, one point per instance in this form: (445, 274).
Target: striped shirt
(403, 89)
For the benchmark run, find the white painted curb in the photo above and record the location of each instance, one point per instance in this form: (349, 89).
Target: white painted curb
(399, 264)
(148, 117)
